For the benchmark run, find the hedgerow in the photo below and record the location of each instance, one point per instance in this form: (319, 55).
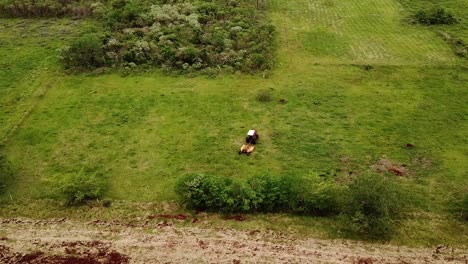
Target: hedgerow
(370, 206)
(206, 36)
(259, 194)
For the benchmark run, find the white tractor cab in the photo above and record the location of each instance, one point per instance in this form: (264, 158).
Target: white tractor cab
(250, 141)
(252, 137)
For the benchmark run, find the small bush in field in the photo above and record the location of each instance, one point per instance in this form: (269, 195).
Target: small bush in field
(437, 16)
(85, 52)
(80, 187)
(374, 203)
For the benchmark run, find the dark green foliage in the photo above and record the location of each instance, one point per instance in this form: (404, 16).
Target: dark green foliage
(6, 173)
(204, 192)
(436, 16)
(85, 52)
(259, 194)
(186, 36)
(82, 186)
(374, 203)
(272, 193)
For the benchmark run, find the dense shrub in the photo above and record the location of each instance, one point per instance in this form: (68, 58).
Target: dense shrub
(79, 187)
(259, 194)
(185, 36)
(204, 192)
(272, 193)
(374, 203)
(85, 52)
(6, 173)
(437, 16)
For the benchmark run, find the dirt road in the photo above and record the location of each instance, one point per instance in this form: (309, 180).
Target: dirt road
(159, 241)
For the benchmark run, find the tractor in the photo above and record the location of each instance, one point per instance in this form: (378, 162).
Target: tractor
(250, 141)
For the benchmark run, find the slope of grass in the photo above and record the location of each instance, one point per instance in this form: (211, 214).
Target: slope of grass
(147, 129)
(369, 31)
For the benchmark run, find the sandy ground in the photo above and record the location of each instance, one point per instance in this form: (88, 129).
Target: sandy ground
(156, 240)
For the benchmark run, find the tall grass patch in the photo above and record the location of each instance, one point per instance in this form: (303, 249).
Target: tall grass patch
(77, 188)
(374, 205)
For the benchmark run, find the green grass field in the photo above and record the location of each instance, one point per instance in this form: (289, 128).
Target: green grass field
(147, 129)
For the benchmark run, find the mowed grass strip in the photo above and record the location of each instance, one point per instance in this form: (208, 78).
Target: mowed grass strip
(365, 32)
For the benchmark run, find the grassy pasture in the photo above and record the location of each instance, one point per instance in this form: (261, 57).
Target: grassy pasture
(147, 129)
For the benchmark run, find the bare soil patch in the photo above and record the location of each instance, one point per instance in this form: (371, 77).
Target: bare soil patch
(143, 241)
(386, 165)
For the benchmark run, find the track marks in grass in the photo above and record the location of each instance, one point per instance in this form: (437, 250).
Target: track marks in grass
(369, 31)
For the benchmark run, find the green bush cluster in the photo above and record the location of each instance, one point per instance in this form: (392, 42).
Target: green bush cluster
(79, 187)
(205, 36)
(311, 195)
(436, 16)
(85, 52)
(370, 206)
(46, 8)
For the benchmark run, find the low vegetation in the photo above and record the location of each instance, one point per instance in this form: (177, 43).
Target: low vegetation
(370, 206)
(204, 36)
(46, 8)
(436, 16)
(373, 206)
(460, 48)
(77, 188)
(312, 195)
